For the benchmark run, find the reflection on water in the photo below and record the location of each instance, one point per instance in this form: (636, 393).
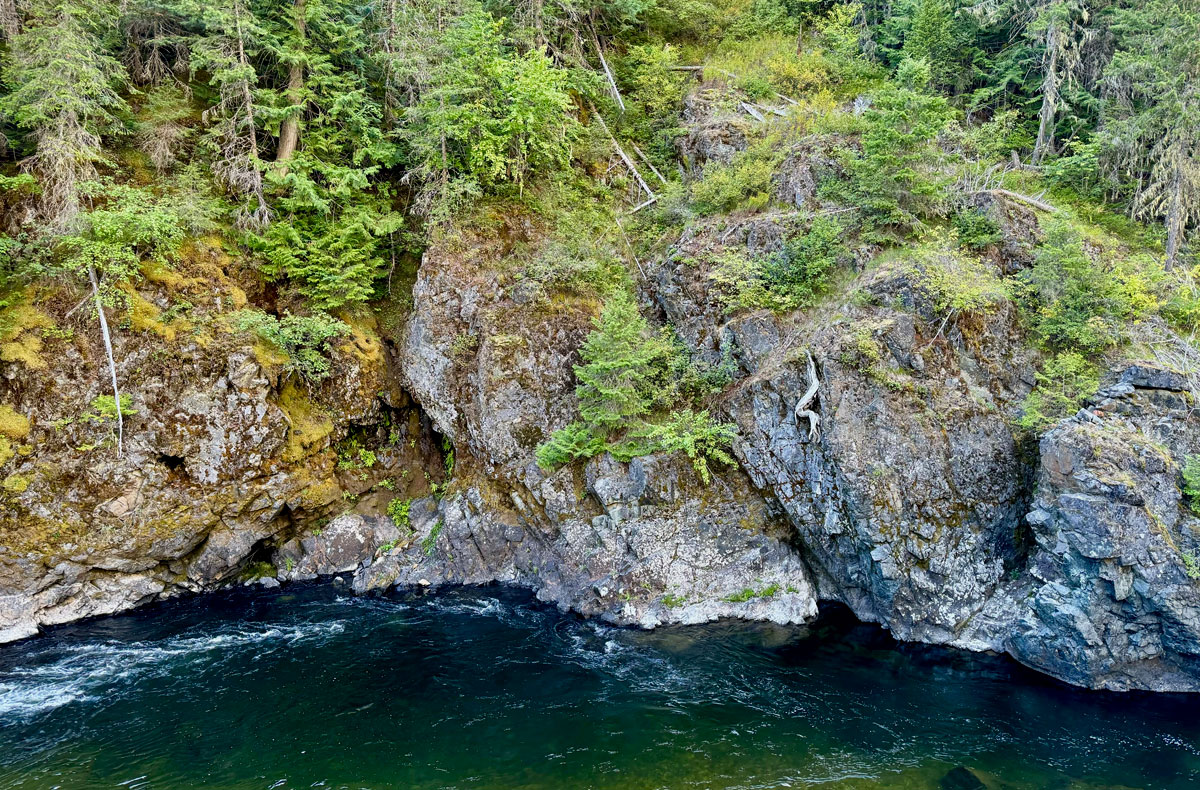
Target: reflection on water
(488, 689)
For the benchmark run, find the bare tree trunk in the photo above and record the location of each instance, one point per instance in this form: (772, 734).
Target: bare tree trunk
(289, 130)
(1175, 217)
(112, 365)
(1045, 138)
(10, 20)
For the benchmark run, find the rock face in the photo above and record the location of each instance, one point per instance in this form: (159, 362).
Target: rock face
(1115, 601)
(643, 544)
(222, 460)
(900, 487)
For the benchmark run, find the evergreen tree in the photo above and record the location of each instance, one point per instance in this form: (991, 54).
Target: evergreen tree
(616, 379)
(932, 39)
(64, 97)
(1153, 125)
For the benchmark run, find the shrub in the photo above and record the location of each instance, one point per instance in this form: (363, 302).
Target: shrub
(697, 434)
(1062, 386)
(1191, 482)
(1078, 303)
(976, 229)
(955, 283)
(743, 183)
(397, 511)
(304, 339)
(788, 280)
(104, 408)
(803, 268)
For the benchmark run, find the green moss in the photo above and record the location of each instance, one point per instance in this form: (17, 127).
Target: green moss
(26, 350)
(12, 424)
(310, 426)
(16, 484)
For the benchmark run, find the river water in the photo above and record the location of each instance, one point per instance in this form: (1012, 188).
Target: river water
(310, 687)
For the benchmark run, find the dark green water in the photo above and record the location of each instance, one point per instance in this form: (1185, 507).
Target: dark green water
(487, 689)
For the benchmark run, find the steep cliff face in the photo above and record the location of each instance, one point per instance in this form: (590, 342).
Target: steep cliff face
(907, 497)
(1114, 600)
(222, 458)
(898, 486)
(640, 543)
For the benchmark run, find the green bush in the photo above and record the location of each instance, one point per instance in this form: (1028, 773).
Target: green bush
(304, 339)
(744, 183)
(696, 434)
(1191, 482)
(953, 281)
(397, 511)
(802, 270)
(1062, 386)
(976, 229)
(1075, 302)
(788, 280)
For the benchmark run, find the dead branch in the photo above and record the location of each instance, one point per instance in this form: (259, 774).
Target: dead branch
(802, 410)
(645, 159)
(1031, 201)
(612, 83)
(624, 156)
(755, 114)
(112, 365)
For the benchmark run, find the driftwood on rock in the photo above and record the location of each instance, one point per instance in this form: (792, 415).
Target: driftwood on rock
(802, 406)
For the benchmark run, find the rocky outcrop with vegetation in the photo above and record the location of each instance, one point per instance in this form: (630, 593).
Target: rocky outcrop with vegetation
(666, 312)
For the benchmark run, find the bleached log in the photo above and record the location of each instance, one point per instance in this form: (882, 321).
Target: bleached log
(608, 73)
(646, 160)
(624, 156)
(755, 114)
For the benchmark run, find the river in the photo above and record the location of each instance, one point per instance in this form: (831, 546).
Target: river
(487, 689)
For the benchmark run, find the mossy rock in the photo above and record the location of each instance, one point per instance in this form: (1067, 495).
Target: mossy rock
(311, 427)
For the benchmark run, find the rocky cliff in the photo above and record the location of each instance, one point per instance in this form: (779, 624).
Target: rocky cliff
(900, 488)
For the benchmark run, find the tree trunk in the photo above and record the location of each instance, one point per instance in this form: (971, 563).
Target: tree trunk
(112, 364)
(1175, 216)
(289, 130)
(1045, 138)
(10, 20)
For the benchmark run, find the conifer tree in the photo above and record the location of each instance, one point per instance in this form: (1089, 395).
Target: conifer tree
(1154, 113)
(617, 374)
(64, 97)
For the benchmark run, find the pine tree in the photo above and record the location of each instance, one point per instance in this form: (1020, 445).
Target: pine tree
(932, 39)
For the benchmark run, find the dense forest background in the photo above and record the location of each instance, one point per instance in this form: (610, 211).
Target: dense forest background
(325, 143)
